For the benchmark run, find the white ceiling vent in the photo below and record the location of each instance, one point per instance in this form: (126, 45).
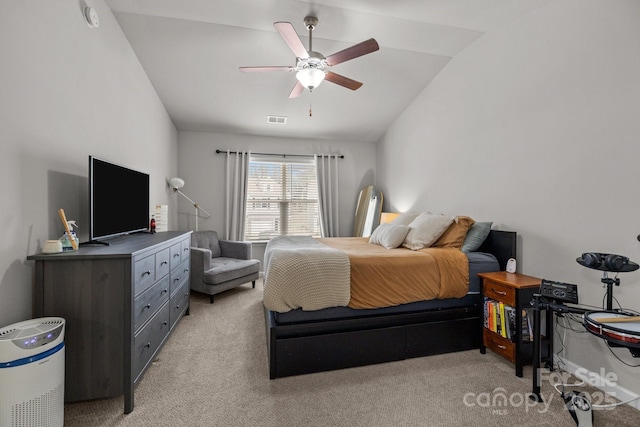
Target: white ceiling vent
(277, 120)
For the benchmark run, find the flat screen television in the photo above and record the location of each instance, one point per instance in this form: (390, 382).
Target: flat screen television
(118, 200)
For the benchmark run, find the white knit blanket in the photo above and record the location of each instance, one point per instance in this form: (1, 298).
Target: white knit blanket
(300, 272)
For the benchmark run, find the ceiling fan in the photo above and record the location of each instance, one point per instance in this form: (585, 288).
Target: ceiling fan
(312, 67)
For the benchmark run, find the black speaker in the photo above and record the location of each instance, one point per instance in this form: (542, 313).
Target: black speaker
(606, 262)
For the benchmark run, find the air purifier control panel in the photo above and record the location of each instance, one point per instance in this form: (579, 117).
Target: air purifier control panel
(38, 340)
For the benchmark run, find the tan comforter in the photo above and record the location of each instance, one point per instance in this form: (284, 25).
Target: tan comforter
(351, 271)
(386, 277)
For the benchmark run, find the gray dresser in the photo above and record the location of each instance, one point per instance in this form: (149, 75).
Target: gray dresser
(120, 303)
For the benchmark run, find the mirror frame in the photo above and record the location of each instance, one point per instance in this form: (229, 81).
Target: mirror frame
(368, 211)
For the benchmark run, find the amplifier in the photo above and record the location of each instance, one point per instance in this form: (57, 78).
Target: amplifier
(565, 292)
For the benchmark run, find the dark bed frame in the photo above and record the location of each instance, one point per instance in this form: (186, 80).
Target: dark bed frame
(327, 345)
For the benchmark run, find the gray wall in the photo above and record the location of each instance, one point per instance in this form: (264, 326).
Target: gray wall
(535, 127)
(67, 91)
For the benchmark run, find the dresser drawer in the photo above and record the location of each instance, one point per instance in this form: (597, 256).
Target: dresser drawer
(149, 301)
(147, 341)
(163, 258)
(175, 255)
(500, 345)
(179, 303)
(185, 250)
(179, 275)
(500, 292)
(144, 273)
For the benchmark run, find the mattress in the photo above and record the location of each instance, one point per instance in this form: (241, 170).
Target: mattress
(478, 262)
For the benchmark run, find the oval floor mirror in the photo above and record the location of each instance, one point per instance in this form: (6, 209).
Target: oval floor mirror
(368, 211)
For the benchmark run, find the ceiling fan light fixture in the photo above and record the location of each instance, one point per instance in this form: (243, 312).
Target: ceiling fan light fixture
(310, 77)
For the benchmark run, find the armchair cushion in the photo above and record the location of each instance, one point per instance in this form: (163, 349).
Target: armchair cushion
(207, 240)
(234, 249)
(225, 269)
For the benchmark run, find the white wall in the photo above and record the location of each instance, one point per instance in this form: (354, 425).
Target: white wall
(204, 172)
(535, 127)
(67, 91)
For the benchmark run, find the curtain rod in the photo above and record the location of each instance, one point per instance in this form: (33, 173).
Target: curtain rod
(279, 155)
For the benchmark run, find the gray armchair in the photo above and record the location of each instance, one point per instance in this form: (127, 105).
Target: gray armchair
(219, 265)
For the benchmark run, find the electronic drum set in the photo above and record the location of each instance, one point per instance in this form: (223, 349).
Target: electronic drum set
(618, 327)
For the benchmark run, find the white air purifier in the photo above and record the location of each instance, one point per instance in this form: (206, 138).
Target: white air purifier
(32, 373)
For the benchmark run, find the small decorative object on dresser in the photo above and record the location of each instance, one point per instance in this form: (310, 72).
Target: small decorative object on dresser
(507, 329)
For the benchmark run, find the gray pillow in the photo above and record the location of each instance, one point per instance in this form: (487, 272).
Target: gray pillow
(476, 235)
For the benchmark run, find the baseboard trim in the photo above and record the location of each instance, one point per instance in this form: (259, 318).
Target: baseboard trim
(595, 379)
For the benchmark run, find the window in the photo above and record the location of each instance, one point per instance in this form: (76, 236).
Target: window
(282, 198)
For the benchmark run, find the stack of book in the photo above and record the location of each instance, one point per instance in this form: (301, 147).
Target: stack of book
(501, 319)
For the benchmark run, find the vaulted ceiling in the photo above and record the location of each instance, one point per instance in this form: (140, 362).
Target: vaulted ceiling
(192, 49)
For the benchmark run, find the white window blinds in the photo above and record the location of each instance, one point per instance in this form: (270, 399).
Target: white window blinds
(282, 198)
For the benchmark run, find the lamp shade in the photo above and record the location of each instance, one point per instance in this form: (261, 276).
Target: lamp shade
(387, 217)
(310, 77)
(176, 183)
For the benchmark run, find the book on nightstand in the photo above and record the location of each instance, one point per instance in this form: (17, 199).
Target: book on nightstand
(503, 327)
(527, 334)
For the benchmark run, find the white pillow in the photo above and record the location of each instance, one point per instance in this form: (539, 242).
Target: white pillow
(425, 230)
(405, 218)
(389, 236)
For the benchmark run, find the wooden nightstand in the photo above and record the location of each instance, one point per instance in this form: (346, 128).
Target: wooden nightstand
(515, 290)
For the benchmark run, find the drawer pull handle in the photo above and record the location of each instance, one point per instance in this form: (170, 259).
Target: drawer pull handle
(146, 272)
(178, 307)
(165, 323)
(187, 294)
(163, 291)
(164, 262)
(176, 255)
(500, 346)
(499, 292)
(147, 306)
(186, 270)
(186, 249)
(177, 279)
(147, 345)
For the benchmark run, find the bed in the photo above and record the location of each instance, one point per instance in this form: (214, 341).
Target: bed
(302, 341)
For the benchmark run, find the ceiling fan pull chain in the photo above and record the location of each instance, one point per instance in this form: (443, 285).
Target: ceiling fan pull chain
(310, 113)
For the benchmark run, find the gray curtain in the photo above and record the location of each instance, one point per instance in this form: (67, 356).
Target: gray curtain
(236, 194)
(328, 185)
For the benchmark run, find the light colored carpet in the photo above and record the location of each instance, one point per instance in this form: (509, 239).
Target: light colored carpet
(213, 372)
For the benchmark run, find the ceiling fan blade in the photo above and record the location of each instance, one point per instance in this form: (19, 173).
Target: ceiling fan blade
(268, 68)
(354, 51)
(289, 35)
(297, 90)
(342, 80)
